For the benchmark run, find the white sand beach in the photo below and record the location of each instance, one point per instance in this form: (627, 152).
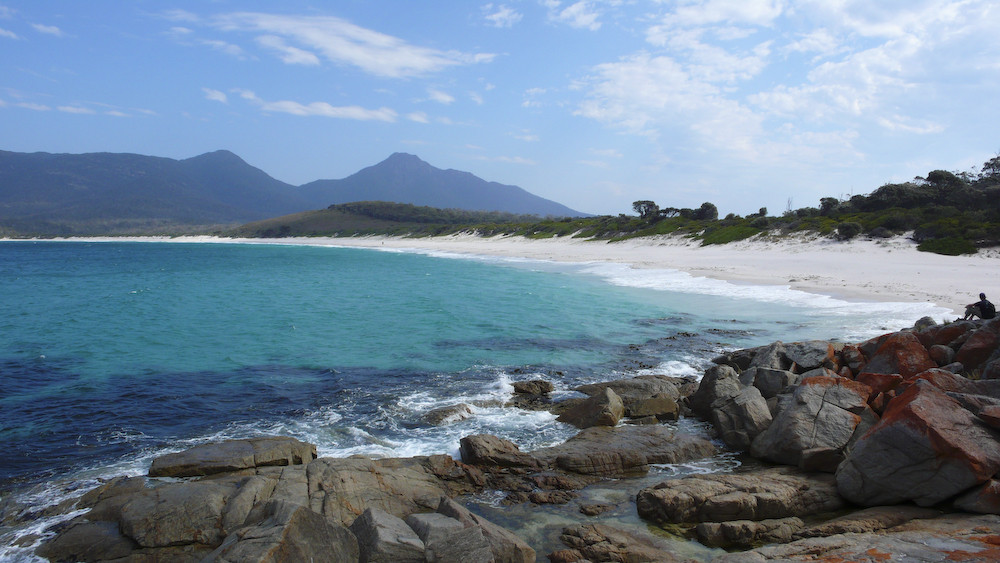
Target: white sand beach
(857, 270)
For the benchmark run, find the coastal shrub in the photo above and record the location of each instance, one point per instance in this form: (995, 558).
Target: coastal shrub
(725, 235)
(848, 230)
(949, 246)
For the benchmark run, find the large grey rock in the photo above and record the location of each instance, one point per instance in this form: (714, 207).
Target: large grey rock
(233, 455)
(623, 450)
(463, 545)
(288, 532)
(599, 542)
(812, 354)
(636, 388)
(771, 382)
(954, 537)
(182, 513)
(602, 409)
(432, 527)
(771, 356)
(490, 451)
(925, 449)
(533, 387)
(384, 538)
(82, 540)
(718, 381)
(747, 533)
(447, 415)
(342, 489)
(868, 520)
(740, 417)
(662, 406)
(773, 493)
(448, 539)
(504, 544)
(825, 416)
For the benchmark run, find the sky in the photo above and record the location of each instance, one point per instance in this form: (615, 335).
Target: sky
(592, 103)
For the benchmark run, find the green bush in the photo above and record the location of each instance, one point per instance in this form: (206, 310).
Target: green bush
(949, 246)
(848, 230)
(725, 235)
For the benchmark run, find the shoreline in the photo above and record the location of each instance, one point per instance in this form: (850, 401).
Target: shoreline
(886, 270)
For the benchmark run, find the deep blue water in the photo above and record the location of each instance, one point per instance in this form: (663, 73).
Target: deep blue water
(114, 352)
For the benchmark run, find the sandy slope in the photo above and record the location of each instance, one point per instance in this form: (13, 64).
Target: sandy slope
(875, 270)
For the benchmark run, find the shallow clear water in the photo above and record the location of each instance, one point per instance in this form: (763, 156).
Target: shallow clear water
(115, 352)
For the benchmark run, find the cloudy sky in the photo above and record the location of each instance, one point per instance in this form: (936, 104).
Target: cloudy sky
(593, 103)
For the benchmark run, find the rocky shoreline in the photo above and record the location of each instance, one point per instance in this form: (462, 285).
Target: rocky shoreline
(880, 450)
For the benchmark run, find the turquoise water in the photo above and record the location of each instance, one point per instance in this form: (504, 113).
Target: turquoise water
(115, 352)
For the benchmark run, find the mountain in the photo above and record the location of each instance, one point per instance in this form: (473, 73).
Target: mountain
(117, 193)
(404, 178)
(120, 193)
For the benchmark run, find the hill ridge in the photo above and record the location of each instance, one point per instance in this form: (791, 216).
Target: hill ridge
(62, 194)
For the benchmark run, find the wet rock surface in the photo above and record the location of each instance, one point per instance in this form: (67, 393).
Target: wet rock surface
(886, 449)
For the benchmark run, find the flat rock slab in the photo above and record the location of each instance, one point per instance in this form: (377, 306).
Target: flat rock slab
(948, 538)
(342, 489)
(233, 455)
(623, 450)
(598, 542)
(773, 493)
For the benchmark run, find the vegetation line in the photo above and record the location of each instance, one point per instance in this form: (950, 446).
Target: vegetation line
(948, 213)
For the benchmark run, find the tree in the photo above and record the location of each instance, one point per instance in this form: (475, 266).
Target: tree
(707, 212)
(991, 168)
(645, 208)
(827, 205)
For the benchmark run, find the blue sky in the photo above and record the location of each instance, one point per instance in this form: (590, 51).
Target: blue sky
(593, 103)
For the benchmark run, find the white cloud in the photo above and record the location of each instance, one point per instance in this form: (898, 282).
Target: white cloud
(477, 98)
(342, 42)
(909, 125)
(34, 106)
(215, 95)
(181, 15)
(320, 109)
(8, 34)
(581, 14)
(526, 136)
(501, 16)
(6, 13)
(732, 12)
(531, 96)
(607, 153)
(47, 29)
(288, 54)
(440, 97)
(508, 159)
(76, 109)
(820, 41)
(178, 30)
(418, 117)
(227, 48)
(116, 113)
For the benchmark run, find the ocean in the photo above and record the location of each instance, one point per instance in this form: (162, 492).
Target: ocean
(113, 353)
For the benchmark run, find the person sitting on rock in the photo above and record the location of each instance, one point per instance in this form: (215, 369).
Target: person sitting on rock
(982, 309)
